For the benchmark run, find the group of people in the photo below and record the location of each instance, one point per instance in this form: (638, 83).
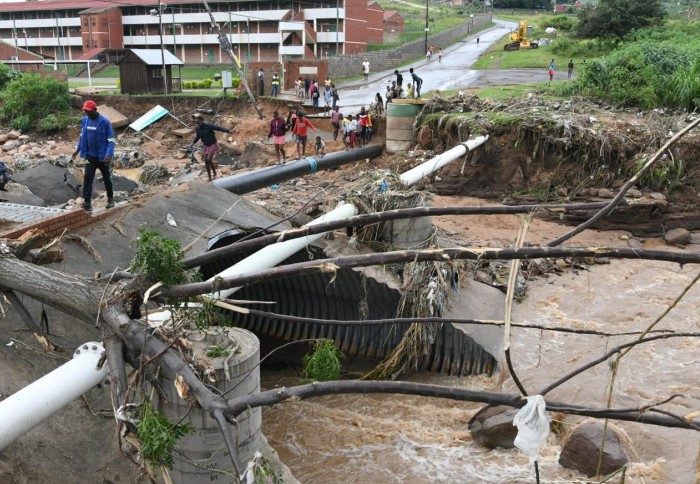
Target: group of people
(311, 89)
(356, 130)
(300, 126)
(395, 89)
(569, 67)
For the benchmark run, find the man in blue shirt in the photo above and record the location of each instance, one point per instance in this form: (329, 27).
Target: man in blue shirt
(96, 146)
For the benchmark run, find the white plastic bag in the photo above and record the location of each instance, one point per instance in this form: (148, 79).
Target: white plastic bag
(533, 426)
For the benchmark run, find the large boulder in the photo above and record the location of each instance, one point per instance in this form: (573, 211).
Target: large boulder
(678, 236)
(492, 427)
(582, 449)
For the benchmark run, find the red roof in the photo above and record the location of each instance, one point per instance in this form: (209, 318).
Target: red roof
(77, 4)
(389, 13)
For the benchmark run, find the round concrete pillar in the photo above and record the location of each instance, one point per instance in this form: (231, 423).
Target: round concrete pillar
(400, 116)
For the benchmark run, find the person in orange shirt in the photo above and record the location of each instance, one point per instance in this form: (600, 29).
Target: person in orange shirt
(301, 133)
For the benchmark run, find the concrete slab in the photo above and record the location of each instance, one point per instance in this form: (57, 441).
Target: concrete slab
(117, 119)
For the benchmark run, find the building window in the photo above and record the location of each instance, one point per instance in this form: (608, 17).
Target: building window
(157, 73)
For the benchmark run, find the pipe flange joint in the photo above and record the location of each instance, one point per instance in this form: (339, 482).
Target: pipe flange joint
(87, 348)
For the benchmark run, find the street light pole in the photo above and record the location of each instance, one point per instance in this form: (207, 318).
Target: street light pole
(162, 48)
(426, 26)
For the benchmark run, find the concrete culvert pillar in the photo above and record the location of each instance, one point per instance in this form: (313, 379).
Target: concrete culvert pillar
(201, 456)
(400, 117)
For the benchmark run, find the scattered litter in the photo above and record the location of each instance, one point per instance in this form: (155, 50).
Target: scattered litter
(171, 220)
(533, 426)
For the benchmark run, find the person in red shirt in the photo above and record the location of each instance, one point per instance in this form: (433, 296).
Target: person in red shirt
(301, 133)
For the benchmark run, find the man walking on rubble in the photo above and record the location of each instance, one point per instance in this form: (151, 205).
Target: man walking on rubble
(96, 146)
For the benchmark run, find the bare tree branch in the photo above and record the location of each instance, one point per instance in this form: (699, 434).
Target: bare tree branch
(625, 188)
(607, 355)
(401, 256)
(372, 218)
(279, 395)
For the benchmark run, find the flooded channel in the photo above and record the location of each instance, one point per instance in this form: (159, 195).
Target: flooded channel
(387, 438)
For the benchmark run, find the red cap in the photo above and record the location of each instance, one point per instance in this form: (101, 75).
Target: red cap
(89, 106)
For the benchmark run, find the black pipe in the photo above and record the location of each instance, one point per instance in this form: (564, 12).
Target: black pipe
(249, 182)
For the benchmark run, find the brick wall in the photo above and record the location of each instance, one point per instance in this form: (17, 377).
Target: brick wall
(54, 226)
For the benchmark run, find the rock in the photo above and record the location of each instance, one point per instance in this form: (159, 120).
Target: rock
(3, 138)
(606, 193)
(694, 238)
(183, 132)
(634, 193)
(159, 135)
(483, 277)
(657, 196)
(14, 134)
(582, 448)
(634, 244)
(425, 136)
(24, 148)
(493, 427)
(677, 236)
(562, 191)
(48, 256)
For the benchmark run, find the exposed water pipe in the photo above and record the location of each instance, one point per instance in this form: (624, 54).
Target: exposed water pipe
(30, 406)
(416, 174)
(254, 180)
(273, 254)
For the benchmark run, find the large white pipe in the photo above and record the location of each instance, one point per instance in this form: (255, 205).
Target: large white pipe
(30, 406)
(416, 174)
(273, 254)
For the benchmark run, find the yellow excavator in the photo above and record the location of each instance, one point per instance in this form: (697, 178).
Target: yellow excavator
(521, 38)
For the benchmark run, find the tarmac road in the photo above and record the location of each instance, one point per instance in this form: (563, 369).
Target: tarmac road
(454, 72)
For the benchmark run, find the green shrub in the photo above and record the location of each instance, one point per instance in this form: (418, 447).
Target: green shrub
(561, 22)
(55, 122)
(158, 258)
(30, 98)
(6, 74)
(324, 363)
(158, 436)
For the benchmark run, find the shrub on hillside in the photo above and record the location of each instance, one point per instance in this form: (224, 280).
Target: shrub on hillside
(27, 100)
(561, 22)
(644, 74)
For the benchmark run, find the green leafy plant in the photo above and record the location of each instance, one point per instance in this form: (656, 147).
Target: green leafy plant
(217, 351)
(158, 436)
(158, 258)
(30, 98)
(324, 363)
(55, 122)
(208, 315)
(663, 175)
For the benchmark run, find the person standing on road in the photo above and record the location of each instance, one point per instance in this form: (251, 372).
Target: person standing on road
(428, 55)
(417, 83)
(439, 55)
(301, 133)
(307, 86)
(327, 99)
(206, 133)
(278, 130)
(336, 97)
(261, 82)
(570, 68)
(551, 70)
(96, 146)
(365, 69)
(477, 41)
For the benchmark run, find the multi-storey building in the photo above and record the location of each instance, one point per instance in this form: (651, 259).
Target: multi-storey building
(259, 31)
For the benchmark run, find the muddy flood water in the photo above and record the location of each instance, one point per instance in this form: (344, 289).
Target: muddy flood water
(387, 439)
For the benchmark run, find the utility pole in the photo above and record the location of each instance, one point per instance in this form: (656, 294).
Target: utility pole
(159, 12)
(426, 26)
(226, 45)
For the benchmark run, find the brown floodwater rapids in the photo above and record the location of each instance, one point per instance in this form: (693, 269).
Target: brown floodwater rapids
(397, 438)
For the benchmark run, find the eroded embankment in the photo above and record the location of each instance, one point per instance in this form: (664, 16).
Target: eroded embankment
(570, 151)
